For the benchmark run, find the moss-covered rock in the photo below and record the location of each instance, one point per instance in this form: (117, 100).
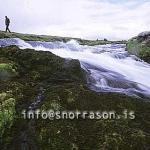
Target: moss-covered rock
(39, 65)
(140, 46)
(60, 85)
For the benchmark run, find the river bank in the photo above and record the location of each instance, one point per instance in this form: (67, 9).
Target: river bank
(47, 38)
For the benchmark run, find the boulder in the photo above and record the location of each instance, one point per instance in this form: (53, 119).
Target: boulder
(143, 34)
(140, 46)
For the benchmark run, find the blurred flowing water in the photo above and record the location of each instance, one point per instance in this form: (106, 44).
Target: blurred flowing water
(109, 67)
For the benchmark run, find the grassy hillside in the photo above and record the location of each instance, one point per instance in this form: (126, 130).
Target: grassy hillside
(47, 38)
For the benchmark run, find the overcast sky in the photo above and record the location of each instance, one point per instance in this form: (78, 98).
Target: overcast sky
(90, 19)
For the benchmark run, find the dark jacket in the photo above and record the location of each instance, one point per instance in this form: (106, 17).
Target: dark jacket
(7, 21)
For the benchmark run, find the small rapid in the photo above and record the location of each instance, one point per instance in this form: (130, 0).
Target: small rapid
(109, 67)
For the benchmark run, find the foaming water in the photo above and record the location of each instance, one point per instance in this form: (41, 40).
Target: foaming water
(109, 67)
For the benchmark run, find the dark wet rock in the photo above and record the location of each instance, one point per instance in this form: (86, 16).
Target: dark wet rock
(144, 34)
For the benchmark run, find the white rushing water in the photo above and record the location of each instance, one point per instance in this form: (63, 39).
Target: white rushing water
(109, 67)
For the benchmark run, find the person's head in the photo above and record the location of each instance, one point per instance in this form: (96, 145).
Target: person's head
(5, 16)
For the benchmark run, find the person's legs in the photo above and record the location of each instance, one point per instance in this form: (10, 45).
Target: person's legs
(7, 28)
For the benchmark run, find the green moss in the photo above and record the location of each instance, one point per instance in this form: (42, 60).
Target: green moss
(5, 66)
(133, 46)
(40, 65)
(7, 111)
(145, 53)
(7, 71)
(97, 134)
(139, 49)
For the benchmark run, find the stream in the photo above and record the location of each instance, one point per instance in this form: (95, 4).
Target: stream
(109, 67)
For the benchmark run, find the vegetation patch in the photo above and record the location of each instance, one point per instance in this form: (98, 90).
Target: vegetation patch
(140, 48)
(7, 71)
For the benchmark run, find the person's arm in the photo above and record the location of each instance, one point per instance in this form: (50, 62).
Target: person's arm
(8, 21)
(5, 22)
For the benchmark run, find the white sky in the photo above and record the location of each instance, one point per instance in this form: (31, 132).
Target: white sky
(90, 19)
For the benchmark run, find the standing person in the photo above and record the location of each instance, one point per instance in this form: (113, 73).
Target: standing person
(7, 22)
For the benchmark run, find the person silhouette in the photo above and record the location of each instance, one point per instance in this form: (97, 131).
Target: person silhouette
(7, 22)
